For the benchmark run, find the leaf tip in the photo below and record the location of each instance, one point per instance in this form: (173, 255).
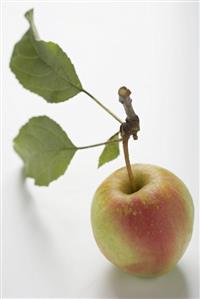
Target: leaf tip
(29, 15)
(38, 184)
(99, 164)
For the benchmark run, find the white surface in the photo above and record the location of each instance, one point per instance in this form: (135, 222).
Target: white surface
(48, 247)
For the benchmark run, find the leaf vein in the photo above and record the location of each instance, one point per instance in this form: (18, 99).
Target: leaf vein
(31, 74)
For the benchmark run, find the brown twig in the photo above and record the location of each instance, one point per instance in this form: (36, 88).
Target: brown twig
(132, 124)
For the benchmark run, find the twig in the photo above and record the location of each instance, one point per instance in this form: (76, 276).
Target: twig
(132, 124)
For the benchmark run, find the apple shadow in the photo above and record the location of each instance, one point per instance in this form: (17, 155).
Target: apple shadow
(30, 213)
(170, 285)
(38, 237)
(25, 203)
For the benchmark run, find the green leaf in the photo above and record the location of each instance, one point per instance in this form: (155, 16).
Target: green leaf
(45, 149)
(110, 152)
(43, 67)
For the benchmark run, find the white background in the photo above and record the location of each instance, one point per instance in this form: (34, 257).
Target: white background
(48, 247)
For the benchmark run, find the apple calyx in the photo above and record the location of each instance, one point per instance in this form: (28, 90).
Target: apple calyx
(128, 128)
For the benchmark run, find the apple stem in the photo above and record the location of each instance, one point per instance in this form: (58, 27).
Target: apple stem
(129, 128)
(127, 160)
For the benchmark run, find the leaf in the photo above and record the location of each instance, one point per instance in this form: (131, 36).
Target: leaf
(110, 152)
(45, 149)
(43, 67)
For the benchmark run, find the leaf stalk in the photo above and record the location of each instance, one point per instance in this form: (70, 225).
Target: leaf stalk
(102, 106)
(99, 144)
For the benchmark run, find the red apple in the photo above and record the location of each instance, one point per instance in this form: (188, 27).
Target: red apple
(144, 232)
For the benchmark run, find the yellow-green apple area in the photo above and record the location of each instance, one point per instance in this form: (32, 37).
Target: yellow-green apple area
(144, 231)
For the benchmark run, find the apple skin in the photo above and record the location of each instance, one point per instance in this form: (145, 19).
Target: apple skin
(146, 232)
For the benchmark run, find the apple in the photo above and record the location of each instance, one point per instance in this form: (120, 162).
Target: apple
(144, 232)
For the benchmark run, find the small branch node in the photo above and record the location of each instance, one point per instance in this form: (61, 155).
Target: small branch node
(132, 124)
